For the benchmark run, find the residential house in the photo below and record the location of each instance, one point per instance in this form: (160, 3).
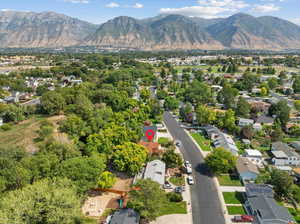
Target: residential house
(247, 170)
(295, 145)
(220, 139)
(245, 122)
(225, 141)
(284, 155)
(1, 121)
(264, 120)
(262, 206)
(254, 156)
(155, 170)
(125, 216)
(14, 98)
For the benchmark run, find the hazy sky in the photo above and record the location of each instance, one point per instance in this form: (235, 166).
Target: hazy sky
(98, 11)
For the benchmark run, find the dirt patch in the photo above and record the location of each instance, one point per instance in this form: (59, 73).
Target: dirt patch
(57, 135)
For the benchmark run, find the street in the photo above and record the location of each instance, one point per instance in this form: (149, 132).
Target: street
(206, 206)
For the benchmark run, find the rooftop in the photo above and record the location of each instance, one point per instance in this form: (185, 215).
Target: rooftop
(253, 152)
(155, 170)
(125, 216)
(245, 165)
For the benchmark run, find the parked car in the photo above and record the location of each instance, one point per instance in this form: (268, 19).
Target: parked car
(243, 218)
(179, 189)
(178, 143)
(187, 163)
(189, 170)
(167, 185)
(190, 180)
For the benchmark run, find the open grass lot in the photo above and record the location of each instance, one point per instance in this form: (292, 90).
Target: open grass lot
(228, 180)
(204, 67)
(173, 208)
(202, 141)
(22, 134)
(236, 210)
(233, 197)
(178, 181)
(295, 214)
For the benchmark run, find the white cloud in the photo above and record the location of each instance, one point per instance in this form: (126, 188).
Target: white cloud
(296, 21)
(112, 5)
(208, 8)
(195, 11)
(77, 1)
(138, 6)
(265, 8)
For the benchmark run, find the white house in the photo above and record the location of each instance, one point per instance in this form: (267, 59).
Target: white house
(284, 155)
(254, 156)
(245, 122)
(1, 121)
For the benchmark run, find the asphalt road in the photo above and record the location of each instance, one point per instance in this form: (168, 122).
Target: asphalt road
(206, 206)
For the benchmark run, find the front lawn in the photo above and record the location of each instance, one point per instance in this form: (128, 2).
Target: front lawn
(178, 181)
(236, 210)
(228, 180)
(233, 197)
(202, 141)
(173, 208)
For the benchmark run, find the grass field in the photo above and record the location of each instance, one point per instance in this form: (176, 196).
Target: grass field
(295, 214)
(233, 197)
(22, 134)
(227, 180)
(173, 208)
(25, 133)
(236, 210)
(202, 141)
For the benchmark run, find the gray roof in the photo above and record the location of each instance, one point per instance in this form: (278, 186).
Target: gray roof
(288, 151)
(245, 165)
(225, 141)
(155, 170)
(296, 145)
(264, 120)
(268, 211)
(253, 190)
(125, 216)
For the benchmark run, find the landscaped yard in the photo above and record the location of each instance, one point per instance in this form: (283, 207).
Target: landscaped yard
(236, 210)
(228, 180)
(178, 181)
(173, 208)
(233, 197)
(295, 213)
(202, 141)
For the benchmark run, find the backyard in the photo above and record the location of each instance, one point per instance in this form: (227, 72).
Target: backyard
(202, 141)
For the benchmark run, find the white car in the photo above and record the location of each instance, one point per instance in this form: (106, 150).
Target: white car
(189, 170)
(190, 180)
(187, 164)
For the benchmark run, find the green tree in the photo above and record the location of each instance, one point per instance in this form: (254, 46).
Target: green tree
(148, 200)
(282, 182)
(272, 83)
(243, 108)
(74, 126)
(129, 157)
(172, 159)
(220, 161)
(229, 121)
(171, 103)
(83, 171)
(297, 104)
(227, 96)
(282, 112)
(205, 115)
(52, 102)
(108, 138)
(48, 202)
(198, 92)
(296, 84)
(107, 180)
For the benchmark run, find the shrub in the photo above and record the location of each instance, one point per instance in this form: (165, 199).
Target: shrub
(6, 127)
(174, 197)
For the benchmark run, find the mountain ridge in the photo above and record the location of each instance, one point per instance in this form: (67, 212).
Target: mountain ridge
(163, 32)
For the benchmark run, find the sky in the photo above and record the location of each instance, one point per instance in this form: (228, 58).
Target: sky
(99, 11)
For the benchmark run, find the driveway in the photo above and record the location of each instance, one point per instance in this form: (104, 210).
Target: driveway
(206, 205)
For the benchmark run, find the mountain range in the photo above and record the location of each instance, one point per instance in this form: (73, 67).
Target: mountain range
(163, 32)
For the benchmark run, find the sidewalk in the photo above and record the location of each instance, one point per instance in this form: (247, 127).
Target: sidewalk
(232, 189)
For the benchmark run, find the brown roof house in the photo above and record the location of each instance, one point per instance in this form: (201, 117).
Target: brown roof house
(152, 147)
(247, 170)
